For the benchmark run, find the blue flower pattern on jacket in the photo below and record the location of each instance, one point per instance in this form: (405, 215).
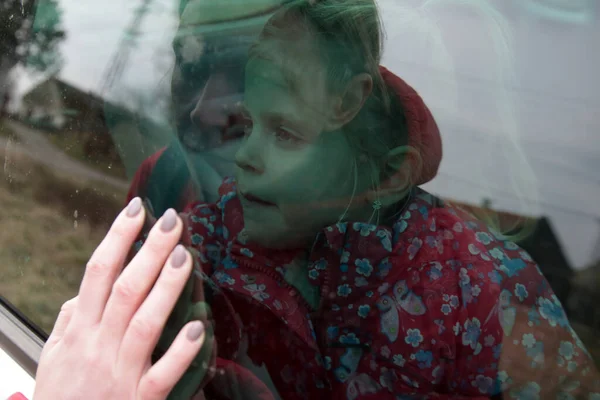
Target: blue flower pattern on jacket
(435, 306)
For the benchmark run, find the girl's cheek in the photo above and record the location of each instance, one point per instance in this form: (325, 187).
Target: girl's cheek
(291, 166)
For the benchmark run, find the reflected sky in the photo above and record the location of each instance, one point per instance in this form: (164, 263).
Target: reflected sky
(555, 94)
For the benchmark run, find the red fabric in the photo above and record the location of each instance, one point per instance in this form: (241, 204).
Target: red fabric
(423, 132)
(139, 183)
(436, 307)
(140, 179)
(17, 396)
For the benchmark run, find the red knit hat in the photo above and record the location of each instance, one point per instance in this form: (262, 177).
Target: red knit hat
(423, 132)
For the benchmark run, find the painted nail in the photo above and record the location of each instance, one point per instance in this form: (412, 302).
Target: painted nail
(134, 207)
(195, 330)
(169, 220)
(178, 256)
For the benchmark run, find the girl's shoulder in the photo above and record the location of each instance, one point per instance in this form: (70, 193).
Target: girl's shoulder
(438, 243)
(434, 230)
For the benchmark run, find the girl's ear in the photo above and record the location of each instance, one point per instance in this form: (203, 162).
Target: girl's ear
(403, 164)
(346, 106)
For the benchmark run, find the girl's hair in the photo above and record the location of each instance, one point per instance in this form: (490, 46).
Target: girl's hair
(348, 37)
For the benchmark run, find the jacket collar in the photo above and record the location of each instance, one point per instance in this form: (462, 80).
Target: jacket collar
(339, 241)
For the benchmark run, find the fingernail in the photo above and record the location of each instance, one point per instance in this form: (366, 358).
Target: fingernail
(169, 220)
(195, 330)
(178, 256)
(134, 207)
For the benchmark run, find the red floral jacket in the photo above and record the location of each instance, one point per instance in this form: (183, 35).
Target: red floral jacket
(436, 306)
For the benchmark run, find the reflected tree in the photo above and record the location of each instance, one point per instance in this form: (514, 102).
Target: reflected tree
(30, 32)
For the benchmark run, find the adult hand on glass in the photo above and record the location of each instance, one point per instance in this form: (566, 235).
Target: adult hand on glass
(101, 344)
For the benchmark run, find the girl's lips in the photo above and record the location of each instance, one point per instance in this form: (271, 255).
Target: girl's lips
(256, 200)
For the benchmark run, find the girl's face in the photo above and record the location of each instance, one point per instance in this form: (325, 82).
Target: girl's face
(294, 178)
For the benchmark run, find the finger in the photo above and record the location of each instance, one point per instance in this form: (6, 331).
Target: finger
(132, 287)
(202, 369)
(148, 322)
(106, 262)
(60, 326)
(160, 379)
(149, 222)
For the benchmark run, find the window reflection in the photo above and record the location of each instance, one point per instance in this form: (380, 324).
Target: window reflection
(161, 100)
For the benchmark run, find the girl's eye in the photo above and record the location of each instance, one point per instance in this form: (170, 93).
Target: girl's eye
(286, 136)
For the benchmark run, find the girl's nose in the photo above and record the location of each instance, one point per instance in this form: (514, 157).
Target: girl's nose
(249, 157)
